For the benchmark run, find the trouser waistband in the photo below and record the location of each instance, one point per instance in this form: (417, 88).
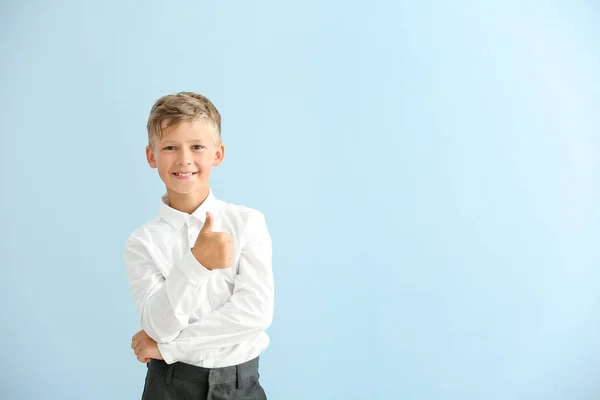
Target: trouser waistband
(210, 376)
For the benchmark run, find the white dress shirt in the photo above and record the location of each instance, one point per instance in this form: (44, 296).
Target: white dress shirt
(197, 316)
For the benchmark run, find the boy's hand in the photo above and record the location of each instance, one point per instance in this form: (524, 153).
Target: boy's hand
(145, 347)
(214, 250)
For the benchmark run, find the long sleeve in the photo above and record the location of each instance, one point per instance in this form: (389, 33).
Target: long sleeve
(248, 312)
(164, 304)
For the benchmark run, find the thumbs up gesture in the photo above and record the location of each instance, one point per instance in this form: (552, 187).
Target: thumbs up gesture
(214, 250)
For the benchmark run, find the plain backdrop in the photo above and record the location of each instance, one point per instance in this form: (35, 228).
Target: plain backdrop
(428, 170)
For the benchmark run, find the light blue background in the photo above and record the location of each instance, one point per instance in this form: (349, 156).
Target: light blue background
(428, 170)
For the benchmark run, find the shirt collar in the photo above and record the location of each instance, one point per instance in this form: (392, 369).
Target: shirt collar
(177, 218)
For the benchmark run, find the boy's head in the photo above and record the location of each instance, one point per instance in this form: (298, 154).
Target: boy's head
(184, 142)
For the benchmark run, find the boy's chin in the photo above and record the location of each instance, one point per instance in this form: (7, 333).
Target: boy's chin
(186, 190)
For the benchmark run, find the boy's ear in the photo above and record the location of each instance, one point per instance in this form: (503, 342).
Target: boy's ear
(219, 154)
(150, 157)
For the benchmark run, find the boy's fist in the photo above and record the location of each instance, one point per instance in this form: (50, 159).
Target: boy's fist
(144, 347)
(214, 250)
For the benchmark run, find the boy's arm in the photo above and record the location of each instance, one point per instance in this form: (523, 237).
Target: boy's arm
(248, 312)
(164, 305)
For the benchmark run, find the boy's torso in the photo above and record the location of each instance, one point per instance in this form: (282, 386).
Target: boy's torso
(168, 246)
(168, 236)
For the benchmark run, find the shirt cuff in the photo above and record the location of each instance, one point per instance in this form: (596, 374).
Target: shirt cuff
(169, 352)
(193, 270)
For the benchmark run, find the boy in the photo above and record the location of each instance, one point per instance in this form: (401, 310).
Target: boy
(200, 272)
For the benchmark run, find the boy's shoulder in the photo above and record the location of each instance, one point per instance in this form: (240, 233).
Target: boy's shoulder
(143, 231)
(238, 214)
(239, 209)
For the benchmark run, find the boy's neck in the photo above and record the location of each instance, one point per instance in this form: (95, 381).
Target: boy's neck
(187, 203)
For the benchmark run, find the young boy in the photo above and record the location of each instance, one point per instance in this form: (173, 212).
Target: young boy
(200, 271)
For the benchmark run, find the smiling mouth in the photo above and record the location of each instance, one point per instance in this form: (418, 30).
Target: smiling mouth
(184, 175)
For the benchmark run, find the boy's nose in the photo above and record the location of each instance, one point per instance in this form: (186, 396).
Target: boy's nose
(185, 157)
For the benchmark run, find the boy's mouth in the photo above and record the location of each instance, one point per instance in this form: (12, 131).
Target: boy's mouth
(185, 175)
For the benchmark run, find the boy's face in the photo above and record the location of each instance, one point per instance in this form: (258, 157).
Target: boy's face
(185, 156)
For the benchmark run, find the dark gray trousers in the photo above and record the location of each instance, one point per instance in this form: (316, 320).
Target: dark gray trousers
(180, 381)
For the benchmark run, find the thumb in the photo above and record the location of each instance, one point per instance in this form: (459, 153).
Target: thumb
(208, 224)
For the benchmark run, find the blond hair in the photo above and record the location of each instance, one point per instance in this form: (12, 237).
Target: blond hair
(181, 107)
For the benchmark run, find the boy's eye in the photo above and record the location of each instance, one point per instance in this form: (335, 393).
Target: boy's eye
(197, 147)
(169, 148)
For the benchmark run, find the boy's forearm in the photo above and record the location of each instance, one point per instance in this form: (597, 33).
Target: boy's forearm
(246, 315)
(200, 339)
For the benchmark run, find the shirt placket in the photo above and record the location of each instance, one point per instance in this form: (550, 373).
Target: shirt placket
(192, 234)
